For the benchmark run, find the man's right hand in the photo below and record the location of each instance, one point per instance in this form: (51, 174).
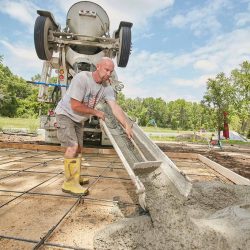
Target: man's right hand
(100, 114)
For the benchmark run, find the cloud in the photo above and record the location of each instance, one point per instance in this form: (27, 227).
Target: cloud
(167, 91)
(22, 11)
(205, 65)
(226, 51)
(242, 19)
(147, 72)
(194, 82)
(22, 60)
(201, 20)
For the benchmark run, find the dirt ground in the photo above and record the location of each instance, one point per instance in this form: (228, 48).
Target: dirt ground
(105, 226)
(234, 157)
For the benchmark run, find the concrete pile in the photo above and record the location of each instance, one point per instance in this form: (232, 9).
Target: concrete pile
(213, 216)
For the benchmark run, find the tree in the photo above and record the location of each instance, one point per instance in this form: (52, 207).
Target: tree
(17, 98)
(241, 81)
(196, 116)
(178, 115)
(220, 94)
(154, 110)
(36, 77)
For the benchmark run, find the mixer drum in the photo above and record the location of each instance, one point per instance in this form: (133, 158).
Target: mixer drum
(87, 18)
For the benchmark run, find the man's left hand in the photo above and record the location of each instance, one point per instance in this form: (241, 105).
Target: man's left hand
(129, 130)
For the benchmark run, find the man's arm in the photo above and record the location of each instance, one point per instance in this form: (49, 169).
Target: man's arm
(84, 109)
(120, 116)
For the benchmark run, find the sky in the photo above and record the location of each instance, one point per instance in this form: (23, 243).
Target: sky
(176, 45)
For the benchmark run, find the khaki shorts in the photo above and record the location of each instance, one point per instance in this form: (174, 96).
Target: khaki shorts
(69, 132)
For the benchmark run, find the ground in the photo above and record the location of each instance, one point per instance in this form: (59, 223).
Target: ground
(234, 157)
(31, 181)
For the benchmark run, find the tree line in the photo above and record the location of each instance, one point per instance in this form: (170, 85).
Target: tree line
(223, 94)
(18, 98)
(230, 95)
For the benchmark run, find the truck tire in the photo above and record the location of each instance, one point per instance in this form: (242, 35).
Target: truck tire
(125, 46)
(44, 49)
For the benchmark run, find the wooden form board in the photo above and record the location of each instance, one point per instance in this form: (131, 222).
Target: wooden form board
(53, 148)
(232, 176)
(237, 179)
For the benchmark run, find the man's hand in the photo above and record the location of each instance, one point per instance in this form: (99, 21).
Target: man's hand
(120, 116)
(100, 114)
(129, 131)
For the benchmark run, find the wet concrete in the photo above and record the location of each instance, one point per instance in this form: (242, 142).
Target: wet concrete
(213, 216)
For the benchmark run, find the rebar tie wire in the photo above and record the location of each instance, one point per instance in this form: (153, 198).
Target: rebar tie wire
(80, 200)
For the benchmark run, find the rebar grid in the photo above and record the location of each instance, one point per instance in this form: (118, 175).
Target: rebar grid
(78, 200)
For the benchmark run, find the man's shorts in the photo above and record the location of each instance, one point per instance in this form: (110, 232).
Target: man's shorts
(69, 132)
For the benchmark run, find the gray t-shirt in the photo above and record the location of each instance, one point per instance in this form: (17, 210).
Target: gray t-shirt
(83, 88)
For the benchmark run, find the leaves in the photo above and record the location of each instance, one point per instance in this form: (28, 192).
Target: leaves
(14, 93)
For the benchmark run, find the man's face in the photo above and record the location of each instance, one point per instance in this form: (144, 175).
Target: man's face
(105, 70)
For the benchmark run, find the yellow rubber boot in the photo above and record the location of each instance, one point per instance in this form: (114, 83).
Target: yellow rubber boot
(71, 184)
(83, 180)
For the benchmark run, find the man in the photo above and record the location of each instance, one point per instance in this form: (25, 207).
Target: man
(76, 106)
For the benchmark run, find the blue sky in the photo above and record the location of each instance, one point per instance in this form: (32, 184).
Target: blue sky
(177, 44)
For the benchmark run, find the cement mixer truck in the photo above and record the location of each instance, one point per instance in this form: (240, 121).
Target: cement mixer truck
(77, 47)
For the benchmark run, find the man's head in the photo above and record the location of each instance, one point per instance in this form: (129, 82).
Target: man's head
(104, 69)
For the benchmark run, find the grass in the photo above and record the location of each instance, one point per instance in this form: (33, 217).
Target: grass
(164, 130)
(162, 138)
(173, 138)
(29, 123)
(233, 142)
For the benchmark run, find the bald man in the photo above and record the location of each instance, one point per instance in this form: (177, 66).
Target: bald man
(76, 106)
